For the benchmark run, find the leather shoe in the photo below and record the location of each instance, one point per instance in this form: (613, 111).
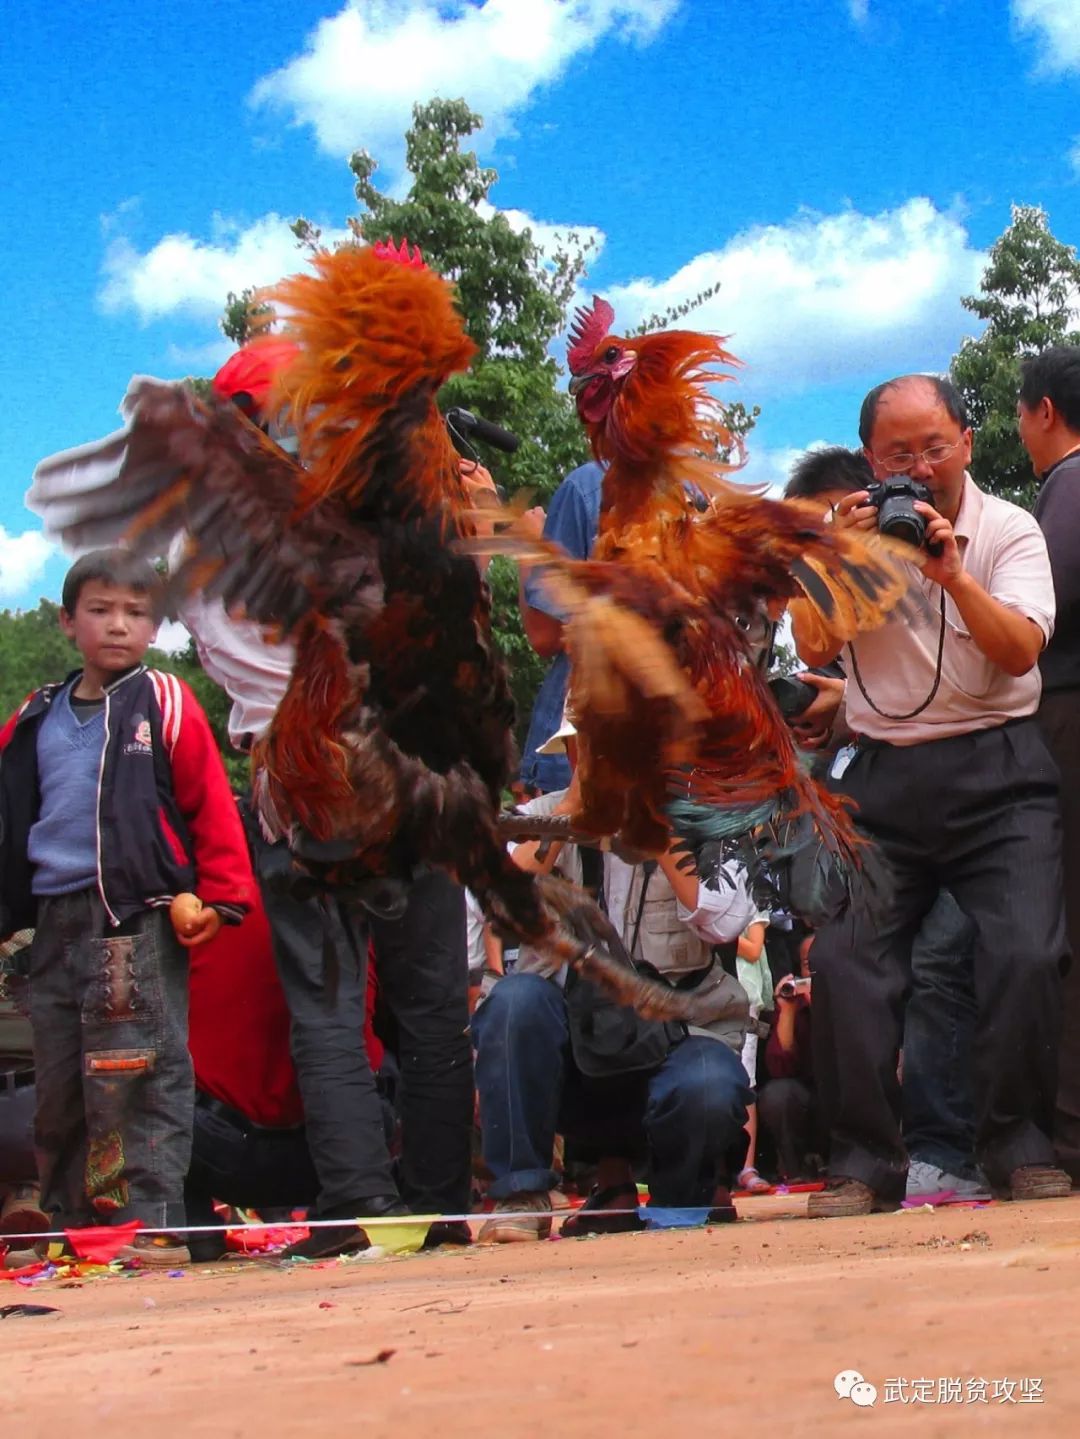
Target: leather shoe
(1039, 1181)
(845, 1199)
(345, 1238)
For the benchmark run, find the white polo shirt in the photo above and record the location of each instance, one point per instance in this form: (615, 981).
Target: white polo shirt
(1003, 549)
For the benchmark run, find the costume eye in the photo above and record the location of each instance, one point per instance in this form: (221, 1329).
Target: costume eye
(611, 354)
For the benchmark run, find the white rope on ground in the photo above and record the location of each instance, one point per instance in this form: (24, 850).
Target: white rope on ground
(362, 1222)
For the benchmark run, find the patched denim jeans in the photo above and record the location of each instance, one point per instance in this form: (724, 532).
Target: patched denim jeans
(115, 1090)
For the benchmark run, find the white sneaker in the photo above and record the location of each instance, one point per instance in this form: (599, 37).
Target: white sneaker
(931, 1185)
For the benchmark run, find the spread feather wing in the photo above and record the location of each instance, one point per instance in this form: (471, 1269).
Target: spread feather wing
(182, 465)
(747, 549)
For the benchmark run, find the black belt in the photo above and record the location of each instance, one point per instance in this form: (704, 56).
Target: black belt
(865, 742)
(239, 1121)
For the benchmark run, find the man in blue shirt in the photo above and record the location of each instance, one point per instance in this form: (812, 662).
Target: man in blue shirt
(572, 521)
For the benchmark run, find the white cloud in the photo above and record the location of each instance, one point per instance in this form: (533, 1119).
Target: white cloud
(859, 10)
(23, 559)
(200, 359)
(1055, 27)
(768, 467)
(172, 637)
(824, 299)
(184, 274)
(1074, 155)
(549, 236)
(363, 68)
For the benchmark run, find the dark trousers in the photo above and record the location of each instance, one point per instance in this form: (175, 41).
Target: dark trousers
(787, 1110)
(939, 1041)
(977, 814)
(115, 1092)
(241, 1163)
(423, 970)
(423, 974)
(688, 1114)
(1060, 719)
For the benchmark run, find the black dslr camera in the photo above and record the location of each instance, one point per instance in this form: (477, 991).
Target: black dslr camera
(894, 499)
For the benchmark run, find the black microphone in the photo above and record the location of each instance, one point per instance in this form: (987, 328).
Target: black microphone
(466, 426)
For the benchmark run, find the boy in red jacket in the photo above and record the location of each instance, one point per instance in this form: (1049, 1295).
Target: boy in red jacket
(113, 800)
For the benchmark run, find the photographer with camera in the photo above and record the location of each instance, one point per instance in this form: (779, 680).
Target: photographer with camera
(953, 782)
(787, 1103)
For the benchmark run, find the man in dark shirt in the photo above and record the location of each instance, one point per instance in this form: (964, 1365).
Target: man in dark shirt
(1048, 413)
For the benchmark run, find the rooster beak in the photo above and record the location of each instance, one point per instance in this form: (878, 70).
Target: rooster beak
(579, 382)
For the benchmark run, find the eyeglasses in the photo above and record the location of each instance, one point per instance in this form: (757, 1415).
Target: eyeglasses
(899, 464)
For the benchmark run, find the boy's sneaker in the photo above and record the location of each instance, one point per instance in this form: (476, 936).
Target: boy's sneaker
(534, 1223)
(157, 1251)
(929, 1184)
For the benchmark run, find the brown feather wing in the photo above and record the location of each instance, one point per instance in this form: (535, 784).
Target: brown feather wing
(184, 465)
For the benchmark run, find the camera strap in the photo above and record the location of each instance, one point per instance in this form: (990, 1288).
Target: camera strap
(933, 689)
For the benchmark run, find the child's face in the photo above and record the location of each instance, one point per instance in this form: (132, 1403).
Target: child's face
(112, 626)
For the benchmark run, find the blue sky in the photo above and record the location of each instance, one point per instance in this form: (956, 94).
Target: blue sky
(838, 166)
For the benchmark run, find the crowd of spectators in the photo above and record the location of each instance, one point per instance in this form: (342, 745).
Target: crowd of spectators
(281, 1053)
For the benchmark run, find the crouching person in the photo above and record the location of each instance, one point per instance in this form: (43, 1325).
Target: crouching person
(553, 1056)
(113, 800)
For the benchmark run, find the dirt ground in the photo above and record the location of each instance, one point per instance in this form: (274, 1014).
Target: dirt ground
(736, 1329)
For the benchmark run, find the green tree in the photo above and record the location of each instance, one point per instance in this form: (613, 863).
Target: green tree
(1028, 298)
(242, 314)
(514, 299)
(34, 651)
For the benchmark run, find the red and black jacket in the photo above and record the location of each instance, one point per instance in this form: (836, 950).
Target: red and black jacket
(167, 821)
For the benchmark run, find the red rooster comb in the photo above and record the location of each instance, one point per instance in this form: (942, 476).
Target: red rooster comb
(589, 328)
(386, 250)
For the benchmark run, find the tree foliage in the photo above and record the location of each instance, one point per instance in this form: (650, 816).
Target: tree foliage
(240, 319)
(1028, 297)
(34, 651)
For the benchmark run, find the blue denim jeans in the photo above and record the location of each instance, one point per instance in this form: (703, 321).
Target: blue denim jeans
(939, 1035)
(687, 1115)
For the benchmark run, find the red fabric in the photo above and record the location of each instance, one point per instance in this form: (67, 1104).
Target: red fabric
(11, 722)
(101, 1243)
(372, 1043)
(798, 1061)
(222, 859)
(238, 1028)
(253, 369)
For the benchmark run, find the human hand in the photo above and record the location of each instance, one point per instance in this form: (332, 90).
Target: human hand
(200, 927)
(481, 492)
(789, 990)
(854, 513)
(813, 727)
(945, 566)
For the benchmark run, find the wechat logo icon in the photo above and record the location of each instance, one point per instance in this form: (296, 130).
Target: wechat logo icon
(849, 1384)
